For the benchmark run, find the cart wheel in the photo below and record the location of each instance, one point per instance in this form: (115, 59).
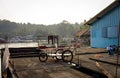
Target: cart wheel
(43, 57)
(67, 56)
(59, 54)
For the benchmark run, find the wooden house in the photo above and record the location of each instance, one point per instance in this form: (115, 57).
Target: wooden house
(105, 26)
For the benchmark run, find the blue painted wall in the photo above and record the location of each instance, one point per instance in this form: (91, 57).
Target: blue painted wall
(108, 20)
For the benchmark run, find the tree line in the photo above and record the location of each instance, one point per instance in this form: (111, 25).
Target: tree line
(63, 29)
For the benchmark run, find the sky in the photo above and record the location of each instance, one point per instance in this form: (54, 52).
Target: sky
(50, 11)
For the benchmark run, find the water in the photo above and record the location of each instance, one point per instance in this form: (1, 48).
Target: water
(90, 72)
(17, 45)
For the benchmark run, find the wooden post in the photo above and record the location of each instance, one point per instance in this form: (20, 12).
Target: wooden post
(118, 50)
(12, 70)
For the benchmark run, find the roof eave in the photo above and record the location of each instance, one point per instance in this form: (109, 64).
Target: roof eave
(103, 12)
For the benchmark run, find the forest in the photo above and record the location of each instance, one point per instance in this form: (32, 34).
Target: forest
(63, 29)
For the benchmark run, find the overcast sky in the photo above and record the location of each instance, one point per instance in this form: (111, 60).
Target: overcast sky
(50, 11)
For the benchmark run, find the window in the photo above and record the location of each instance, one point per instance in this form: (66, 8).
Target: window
(104, 32)
(93, 33)
(110, 32)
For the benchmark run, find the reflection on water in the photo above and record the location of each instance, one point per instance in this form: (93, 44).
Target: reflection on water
(16, 45)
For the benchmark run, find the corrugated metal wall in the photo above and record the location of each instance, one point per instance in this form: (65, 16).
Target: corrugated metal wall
(110, 19)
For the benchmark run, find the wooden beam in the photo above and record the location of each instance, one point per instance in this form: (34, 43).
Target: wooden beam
(12, 70)
(86, 53)
(104, 70)
(104, 61)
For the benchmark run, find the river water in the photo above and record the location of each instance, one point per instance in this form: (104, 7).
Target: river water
(17, 45)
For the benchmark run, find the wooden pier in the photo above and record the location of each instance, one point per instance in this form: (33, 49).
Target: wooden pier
(86, 58)
(33, 68)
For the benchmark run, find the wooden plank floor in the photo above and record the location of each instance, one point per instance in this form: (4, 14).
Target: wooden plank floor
(86, 62)
(109, 67)
(33, 68)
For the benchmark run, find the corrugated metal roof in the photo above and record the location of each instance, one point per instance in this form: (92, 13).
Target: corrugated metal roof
(83, 32)
(103, 12)
(2, 40)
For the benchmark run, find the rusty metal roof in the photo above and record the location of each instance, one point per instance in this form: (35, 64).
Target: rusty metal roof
(2, 40)
(83, 32)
